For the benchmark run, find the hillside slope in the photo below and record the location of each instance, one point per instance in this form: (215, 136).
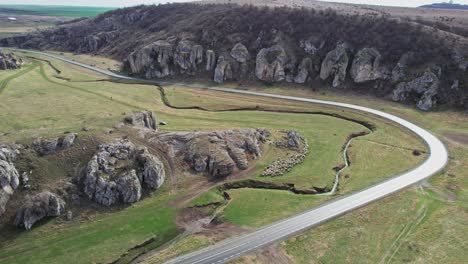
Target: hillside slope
(377, 54)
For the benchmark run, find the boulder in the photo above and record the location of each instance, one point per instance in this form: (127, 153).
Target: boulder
(119, 171)
(425, 87)
(51, 145)
(270, 64)
(366, 66)
(335, 65)
(294, 139)
(240, 53)
(223, 71)
(144, 119)
(210, 60)
(37, 207)
(312, 45)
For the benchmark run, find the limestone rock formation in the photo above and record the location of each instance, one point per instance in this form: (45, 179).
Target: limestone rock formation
(144, 119)
(270, 64)
(399, 72)
(119, 171)
(312, 45)
(335, 65)
(153, 60)
(304, 70)
(37, 207)
(240, 53)
(9, 62)
(210, 60)
(217, 153)
(187, 56)
(426, 87)
(51, 145)
(366, 66)
(223, 71)
(9, 177)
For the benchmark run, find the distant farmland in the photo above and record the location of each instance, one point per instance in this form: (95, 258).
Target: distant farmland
(58, 11)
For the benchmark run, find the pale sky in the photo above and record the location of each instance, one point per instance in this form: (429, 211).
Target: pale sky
(121, 3)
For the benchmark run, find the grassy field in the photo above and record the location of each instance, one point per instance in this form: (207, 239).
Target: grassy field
(418, 225)
(61, 11)
(37, 101)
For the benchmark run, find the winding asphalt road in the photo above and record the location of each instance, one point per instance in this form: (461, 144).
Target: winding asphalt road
(237, 246)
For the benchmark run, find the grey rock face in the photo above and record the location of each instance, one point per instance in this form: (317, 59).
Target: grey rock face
(425, 86)
(223, 71)
(240, 53)
(51, 145)
(9, 62)
(312, 45)
(153, 59)
(304, 69)
(270, 64)
(399, 72)
(145, 119)
(187, 56)
(119, 171)
(366, 66)
(9, 177)
(294, 139)
(218, 153)
(37, 207)
(210, 60)
(335, 65)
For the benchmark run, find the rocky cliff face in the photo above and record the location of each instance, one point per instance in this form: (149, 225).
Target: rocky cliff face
(233, 43)
(9, 62)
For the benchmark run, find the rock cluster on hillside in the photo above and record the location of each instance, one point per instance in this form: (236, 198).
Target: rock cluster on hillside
(282, 45)
(48, 146)
(9, 62)
(9, 176)
(120, 171)
(218, 153)
(37, 207)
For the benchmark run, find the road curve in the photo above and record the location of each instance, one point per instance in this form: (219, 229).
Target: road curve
(237, 246)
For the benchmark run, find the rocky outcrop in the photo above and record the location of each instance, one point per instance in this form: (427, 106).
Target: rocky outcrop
(37, 207)
(270, 64)
(9, 62)
(399, 72)
(240, 53)
(304, 70)
(217, 153)
(210, 60)
(51, 145)
(335, 65)
(144, 119)
(152, 60)
(119, 171)
(425, 88)
(367, 66)
(223, 71)
(312, 45)
(187, 56)
(9, 176)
